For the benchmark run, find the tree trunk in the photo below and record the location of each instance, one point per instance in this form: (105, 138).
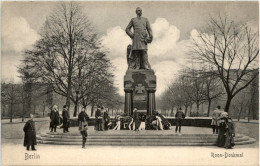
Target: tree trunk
(43, 110)
(240, 111)
(69, 90)
(209, 105)
(34, 109)
(198, 107)
(190, 109)
(11, 107)
(76, 104)
(172, 111)
(228, 103)
(186, 109)
(92, 109)
(23, 113)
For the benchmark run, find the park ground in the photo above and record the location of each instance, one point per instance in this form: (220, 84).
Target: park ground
(13, 152)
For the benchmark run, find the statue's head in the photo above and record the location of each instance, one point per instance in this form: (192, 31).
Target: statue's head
(138, 11)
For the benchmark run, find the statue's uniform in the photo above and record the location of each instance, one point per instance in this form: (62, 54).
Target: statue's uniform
(142, 29)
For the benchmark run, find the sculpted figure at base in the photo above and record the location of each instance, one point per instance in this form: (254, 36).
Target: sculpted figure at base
(137, 56)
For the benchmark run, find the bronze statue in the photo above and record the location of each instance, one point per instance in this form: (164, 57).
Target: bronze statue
(137, 57)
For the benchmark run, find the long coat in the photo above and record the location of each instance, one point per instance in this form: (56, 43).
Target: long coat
(30, 133)
(222, 131)
(141, 27)
(55, 118)
(230, 133)
(65, 117)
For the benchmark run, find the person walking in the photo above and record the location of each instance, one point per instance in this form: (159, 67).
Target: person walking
(83, 125)
(65, 119)
(179, 119)
(30, 134)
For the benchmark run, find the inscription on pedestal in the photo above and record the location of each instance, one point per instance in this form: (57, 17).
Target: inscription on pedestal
(139, 98)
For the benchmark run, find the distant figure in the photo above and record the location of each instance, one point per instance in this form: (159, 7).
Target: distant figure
(65, 117)
(83, 125)
(179, 119)
(30, 134)
(136, 120)
(230, 134)
(226, 132)
(99, 118)
(214, 122)
(54, 116)
(219, 112)
(222, 129)
(106, 120)
(142, 118)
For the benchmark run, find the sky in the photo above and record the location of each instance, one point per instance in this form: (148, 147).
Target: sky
(173, 25)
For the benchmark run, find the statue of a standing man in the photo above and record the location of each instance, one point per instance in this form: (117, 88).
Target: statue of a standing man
(141, 37)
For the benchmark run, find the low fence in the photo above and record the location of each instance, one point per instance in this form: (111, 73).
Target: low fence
(188, 121)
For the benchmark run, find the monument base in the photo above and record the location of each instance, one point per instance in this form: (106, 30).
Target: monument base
(139, 87)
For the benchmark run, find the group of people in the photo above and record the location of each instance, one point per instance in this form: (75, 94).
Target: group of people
(102, 119)
(223, 125)
(56, 120)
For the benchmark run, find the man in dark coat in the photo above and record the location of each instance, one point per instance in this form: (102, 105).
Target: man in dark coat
(54, 118)
(30, 134)
(106, 120)
(83, 125)
(65, 117)
(179, 119)
(98, 125)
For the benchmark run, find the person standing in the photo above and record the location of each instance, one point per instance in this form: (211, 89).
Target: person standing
(102, 119)
(230, 134)
(179, 119)
(98, 120)
(83, 125)
(65, 117)
(106, 120)
(222, 129)
(136, 120)
(214, 122)
(30, 134)
(54, 116)
(218, 113)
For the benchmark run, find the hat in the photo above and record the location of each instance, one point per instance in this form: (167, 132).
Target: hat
(138, 8)
(224, 115)
(55, 107)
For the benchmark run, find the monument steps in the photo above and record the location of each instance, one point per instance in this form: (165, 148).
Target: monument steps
(137, 140)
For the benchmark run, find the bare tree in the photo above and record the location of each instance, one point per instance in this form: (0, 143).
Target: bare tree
(232, 50)
(10, 95)
(66, 38)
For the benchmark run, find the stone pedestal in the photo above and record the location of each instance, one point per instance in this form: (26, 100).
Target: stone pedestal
(139, 87)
